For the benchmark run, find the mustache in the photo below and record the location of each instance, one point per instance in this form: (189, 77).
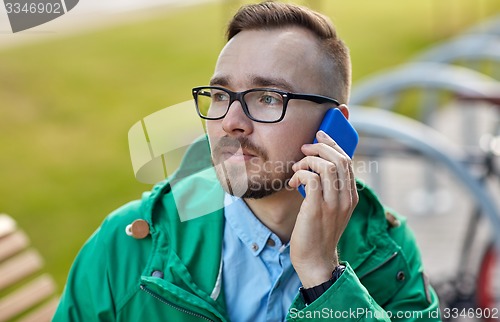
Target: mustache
(233, 144)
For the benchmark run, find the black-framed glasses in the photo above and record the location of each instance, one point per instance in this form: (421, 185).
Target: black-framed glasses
(265, 105)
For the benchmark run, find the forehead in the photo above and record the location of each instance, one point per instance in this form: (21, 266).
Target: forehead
(291, 56)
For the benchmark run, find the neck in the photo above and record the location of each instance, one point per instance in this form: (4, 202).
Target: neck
(278, 211)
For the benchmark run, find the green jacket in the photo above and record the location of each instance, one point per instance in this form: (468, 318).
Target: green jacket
(173, 273)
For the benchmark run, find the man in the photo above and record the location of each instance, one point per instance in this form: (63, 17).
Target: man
(247, 261)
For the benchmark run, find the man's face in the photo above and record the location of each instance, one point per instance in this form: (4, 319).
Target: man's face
(259, 155)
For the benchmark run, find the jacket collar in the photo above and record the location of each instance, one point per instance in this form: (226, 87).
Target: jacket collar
(185, 214)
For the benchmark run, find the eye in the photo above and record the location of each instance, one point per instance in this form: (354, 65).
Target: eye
(270, 98)
(219, 96)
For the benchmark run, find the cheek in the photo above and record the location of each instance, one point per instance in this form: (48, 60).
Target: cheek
(214, 131)
(302, 127)
(294, 131)
(212, 127)
(285, 143)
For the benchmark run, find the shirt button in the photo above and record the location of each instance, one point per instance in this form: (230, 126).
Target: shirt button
(139, 229)
(271, 242)
(255, 247)
(400, 276)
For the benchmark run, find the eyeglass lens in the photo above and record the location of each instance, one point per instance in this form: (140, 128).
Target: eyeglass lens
(263, 105)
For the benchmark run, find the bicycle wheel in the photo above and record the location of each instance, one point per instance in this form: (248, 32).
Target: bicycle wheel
(488, 285)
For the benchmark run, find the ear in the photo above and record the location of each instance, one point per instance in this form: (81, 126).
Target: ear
(344, 109)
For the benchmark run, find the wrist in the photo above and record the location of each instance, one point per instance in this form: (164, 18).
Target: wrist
(315, 277)
(312, 293)
(316, 273)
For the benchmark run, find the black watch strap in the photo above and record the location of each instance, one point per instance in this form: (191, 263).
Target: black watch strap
(311, 294)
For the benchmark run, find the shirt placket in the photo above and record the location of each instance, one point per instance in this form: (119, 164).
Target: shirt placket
(277, 261)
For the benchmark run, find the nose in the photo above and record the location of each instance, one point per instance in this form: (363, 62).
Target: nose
(235, 121)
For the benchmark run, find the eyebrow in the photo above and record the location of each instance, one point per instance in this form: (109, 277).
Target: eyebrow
(272, 82)
(257, 81)
(221, 81)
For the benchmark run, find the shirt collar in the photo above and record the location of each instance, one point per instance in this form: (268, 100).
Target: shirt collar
(247, 227)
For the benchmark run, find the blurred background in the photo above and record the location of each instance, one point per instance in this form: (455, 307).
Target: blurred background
(70, 90)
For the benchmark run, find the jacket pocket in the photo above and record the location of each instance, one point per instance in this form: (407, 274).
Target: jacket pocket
(387, 278)
(148, 305)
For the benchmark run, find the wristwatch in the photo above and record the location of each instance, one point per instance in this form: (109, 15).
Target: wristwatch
(311, 294)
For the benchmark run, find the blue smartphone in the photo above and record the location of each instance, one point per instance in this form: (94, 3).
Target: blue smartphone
(341, 131)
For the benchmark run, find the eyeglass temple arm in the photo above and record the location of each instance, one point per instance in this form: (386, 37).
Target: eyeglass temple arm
(314, 98)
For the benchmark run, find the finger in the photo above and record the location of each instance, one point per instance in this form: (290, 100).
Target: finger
(329, 176)
(324, 151)
(348, 195)
(311, 182)
(308, 162)
(324, 139)
(354, 190)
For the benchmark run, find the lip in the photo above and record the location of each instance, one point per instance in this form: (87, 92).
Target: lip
(237, 156)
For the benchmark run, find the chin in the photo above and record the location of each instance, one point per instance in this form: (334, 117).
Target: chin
(252, 187)
(258, 194)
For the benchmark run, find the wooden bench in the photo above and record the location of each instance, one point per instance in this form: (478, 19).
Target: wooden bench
(26, 294)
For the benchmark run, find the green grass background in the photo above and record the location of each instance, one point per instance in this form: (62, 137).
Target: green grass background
(66, 104)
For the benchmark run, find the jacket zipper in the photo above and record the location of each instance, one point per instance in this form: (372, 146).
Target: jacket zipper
(379, 265)
(178, 308)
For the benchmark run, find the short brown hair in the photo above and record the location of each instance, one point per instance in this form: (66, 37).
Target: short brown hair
(272, 15)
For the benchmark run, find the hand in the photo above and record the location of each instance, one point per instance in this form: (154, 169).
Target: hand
(331, 197)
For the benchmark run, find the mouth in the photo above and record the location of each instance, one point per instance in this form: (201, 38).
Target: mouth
(239, 150)
(238, 155)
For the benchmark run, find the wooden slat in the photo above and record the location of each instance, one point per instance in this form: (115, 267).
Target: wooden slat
(43, 313)
(7, 225)
(12, 244)
(16, 264)
(19, 267)
(26, 297)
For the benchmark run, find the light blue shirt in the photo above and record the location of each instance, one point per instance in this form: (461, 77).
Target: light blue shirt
(258, 277)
